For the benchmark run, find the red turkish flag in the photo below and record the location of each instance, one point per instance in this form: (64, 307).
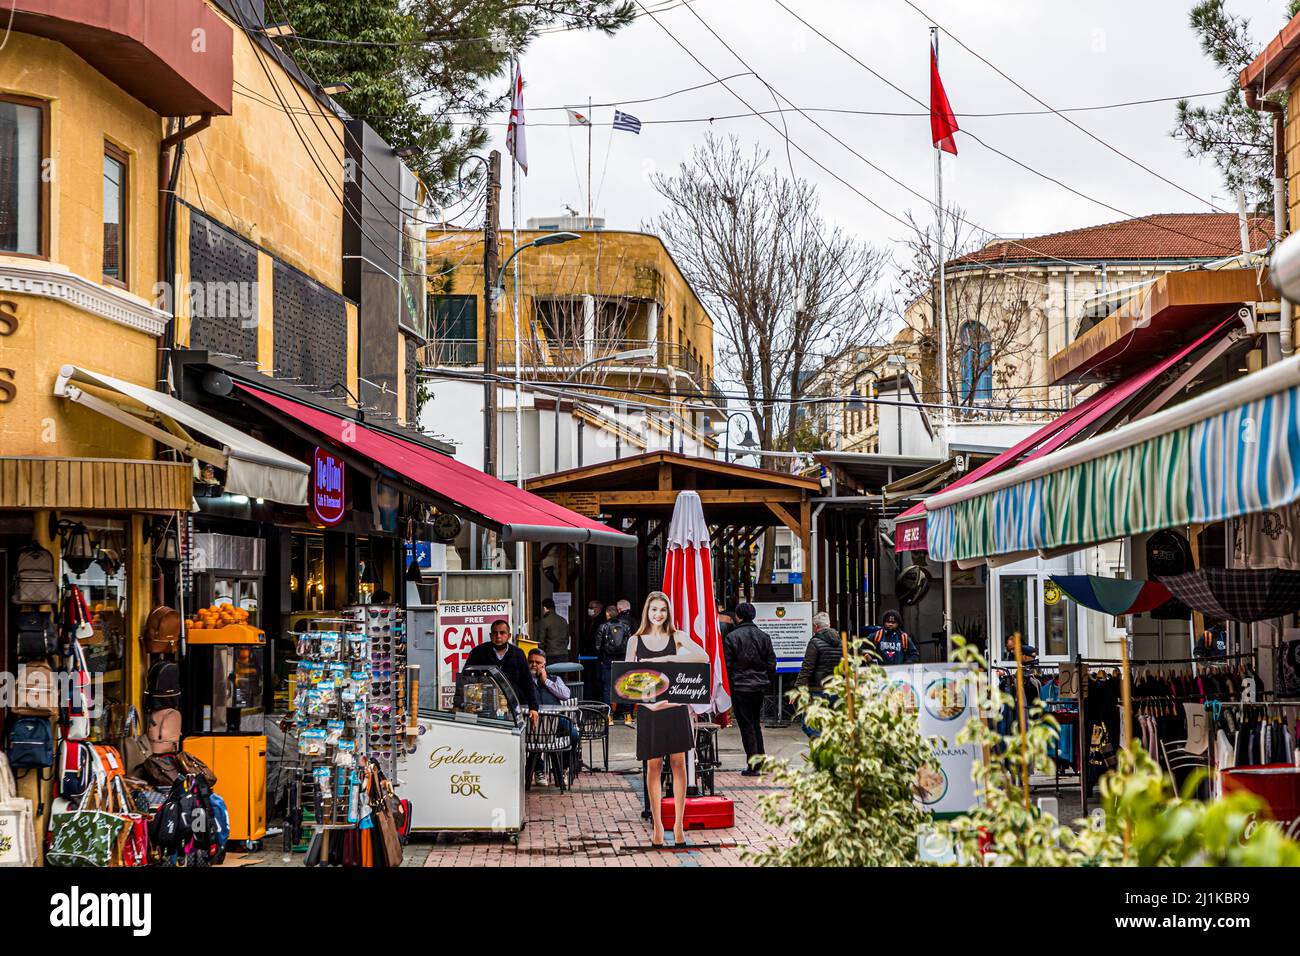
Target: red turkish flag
(942, 121)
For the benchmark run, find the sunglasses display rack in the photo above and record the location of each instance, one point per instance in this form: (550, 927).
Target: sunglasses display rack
(331, 707)
(384, 627)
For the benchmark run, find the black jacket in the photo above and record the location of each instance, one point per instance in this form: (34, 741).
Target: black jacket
(820, 660)
(514, 667)
(892, 646)
(751, 659)
(604, 639)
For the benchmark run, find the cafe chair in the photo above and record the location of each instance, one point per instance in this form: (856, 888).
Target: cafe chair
(594, 726)
(549, 743)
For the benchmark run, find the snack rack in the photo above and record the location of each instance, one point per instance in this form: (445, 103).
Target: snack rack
(332, 695)
(384, 628)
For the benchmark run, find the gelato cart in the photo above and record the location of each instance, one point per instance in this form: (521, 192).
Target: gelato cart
(465, 771)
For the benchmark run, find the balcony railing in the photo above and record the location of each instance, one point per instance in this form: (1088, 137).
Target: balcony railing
(562, 357)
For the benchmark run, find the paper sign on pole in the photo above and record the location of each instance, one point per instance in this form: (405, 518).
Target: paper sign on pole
(463, 626)
(790, 627)
(563, 603)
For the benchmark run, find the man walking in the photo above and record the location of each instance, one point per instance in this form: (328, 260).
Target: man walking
(751, 665)
(824, 653)
(553, 633)
(611, 646)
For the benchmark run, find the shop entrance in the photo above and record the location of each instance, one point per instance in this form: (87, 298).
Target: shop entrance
(1025, 601)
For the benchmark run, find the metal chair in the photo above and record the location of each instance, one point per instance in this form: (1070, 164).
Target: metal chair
(550, 743)
(594, 725)
(1179, 763)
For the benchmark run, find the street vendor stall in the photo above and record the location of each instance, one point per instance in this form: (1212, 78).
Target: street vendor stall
(465, 770)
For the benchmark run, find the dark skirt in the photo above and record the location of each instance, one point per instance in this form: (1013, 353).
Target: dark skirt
(660, 733)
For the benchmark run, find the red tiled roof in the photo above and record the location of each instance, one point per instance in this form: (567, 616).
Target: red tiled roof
(1176, 235)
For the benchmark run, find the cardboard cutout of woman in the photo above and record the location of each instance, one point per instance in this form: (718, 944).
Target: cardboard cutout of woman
(663, 729)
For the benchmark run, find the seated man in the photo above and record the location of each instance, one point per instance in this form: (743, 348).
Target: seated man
(551, 690)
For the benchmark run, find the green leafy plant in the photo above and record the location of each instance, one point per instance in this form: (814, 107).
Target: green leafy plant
(853, 803)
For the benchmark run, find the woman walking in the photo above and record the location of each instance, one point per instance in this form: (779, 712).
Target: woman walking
(663, 729)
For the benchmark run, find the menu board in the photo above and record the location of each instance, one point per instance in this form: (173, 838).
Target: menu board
(943, 698)
(648, 682)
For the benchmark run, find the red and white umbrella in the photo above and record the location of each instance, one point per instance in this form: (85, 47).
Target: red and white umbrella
(688, 582)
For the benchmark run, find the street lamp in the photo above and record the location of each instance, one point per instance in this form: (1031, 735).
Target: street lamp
(550, 239)
(629, 355)
(747, 442)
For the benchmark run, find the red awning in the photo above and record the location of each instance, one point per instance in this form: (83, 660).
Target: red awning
(909, 529)
(519, 515)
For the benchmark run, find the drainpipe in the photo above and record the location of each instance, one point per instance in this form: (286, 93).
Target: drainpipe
(811, 559)
(1285, 334)
(167, 180)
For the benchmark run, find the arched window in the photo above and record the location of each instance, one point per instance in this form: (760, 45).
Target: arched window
(976, 364)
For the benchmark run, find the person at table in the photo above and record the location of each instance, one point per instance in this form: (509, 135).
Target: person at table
(553, 633)
(751, 665)
(890, 643)
(551, 691)
(664, 730)
(499, 652)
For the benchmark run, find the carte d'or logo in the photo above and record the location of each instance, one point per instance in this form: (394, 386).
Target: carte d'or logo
(467, 785)
(444, 755)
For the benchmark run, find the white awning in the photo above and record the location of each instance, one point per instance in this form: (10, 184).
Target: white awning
(253, 468)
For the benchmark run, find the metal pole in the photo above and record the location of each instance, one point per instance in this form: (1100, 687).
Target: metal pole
(943, 298)
(491, 256)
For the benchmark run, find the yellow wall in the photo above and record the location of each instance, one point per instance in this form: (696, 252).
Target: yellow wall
(85, 110)
(251, 172)
(607, 263)
(50, 334)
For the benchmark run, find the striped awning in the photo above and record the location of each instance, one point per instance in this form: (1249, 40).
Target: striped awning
(1229, 452)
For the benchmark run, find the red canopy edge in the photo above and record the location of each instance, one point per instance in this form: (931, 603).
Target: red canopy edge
(519, 514)
(1050, 437)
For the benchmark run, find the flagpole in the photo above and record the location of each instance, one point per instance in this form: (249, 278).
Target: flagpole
(589, 160)
(943, 349)
(514, 232)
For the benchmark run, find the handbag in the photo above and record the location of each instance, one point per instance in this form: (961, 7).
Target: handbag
(79, 705)
(132, 743)
(17, 828)
(89, 835)
(162, 631)
(389, 844)
(193, 765)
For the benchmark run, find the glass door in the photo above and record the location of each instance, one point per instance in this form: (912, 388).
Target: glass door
(1017, 612)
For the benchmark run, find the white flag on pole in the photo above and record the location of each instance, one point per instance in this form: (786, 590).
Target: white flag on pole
(576, 118)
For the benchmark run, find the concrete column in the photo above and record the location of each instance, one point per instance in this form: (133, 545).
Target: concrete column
(589, 326)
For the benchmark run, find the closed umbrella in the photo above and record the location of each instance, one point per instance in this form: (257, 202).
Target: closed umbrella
(1238, 594)
(688, 582)
(1114, 596)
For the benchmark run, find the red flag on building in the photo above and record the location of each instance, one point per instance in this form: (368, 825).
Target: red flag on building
(942, 121)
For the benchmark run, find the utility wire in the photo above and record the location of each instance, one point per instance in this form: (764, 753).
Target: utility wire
(969, 134)
(1039, 100)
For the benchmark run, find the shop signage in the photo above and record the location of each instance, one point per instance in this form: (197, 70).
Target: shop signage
(328, 488)
(943, 696)
(647, 682)
(464, 776)
(1051, 594)
(463, 626)
(8, 326)
(790, 627)
(910, 535)
(586, 503)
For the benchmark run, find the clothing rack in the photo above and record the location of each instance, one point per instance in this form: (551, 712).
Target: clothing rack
(1212, 751)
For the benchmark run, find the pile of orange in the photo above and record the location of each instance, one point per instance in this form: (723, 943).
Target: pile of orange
(217, 616)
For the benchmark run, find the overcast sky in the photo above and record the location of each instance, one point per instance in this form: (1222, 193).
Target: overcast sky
(1070, 54)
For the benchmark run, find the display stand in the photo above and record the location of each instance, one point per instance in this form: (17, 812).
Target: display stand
(384, 628)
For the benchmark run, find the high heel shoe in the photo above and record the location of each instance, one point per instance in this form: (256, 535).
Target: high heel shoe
(679, 837)
(657, 839)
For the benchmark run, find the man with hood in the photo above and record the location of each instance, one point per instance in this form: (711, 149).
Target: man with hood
(891, 643)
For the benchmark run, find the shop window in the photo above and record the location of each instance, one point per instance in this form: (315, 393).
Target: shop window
(104, 584)
(116, 191)
(455, 328)
(24, 190)
(307, 578)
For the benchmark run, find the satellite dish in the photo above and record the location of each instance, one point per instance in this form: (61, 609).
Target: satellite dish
(912, 585)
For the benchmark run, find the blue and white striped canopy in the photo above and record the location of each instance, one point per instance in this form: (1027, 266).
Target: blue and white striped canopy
(1231, 452)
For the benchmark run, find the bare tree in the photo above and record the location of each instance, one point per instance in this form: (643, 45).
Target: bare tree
(994, 321)
(784, 287)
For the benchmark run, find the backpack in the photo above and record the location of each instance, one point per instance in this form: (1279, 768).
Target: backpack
(37, 690)
(616, 637)
(162, 631)
(34, 581)
(165, 731)
(37, 638)
(74, 768)
(163, 688)
(31, 744)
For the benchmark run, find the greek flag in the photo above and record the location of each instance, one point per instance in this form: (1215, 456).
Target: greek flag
(626, 122)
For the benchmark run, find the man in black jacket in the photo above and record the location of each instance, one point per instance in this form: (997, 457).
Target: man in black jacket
(751, 666)
(514, 665)
(892, 644)
(824, 653)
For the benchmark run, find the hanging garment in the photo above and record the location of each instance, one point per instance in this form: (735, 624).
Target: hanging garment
(1224, 756)
(1268, 539)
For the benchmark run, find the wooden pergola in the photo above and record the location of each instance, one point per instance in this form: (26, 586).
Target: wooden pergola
(637, 494)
